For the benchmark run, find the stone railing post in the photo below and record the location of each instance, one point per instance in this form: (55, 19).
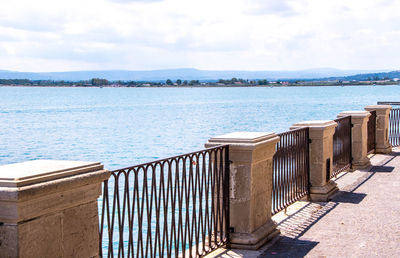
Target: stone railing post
(321, 157)
(251, 156)
(382, 144)
(359, 138)
(49, 208)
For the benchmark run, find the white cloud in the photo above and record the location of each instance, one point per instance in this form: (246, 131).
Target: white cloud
(135, 1)
(207, 34)
(273, 7)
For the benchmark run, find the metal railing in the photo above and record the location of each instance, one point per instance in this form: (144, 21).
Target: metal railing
(394, 127)
(175, 207)
(392, 103)
(342, 156)
(371, 132)
(290, 169)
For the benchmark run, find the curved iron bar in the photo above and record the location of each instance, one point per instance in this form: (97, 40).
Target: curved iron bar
(371, 125)
(290, 169)
(394, 127)
(171, 207)
(342, 156)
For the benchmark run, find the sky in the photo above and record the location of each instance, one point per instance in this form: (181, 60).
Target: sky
(70, 35)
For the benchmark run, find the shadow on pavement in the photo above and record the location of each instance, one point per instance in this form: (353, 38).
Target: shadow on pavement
(395, 153)
(289, 247)
(294, 226)
(382, 169)
(349, 197)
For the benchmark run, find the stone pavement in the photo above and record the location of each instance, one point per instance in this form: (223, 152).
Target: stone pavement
(361, 220)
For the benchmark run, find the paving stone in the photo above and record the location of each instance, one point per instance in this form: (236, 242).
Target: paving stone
(364, 221)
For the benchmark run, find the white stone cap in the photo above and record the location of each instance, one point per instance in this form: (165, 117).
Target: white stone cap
(375, 107)
(243, 139)
(315, 124)
(358, 114)
(38, 171)
(379, 109)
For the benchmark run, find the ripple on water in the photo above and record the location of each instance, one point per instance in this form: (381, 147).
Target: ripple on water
(125, 126)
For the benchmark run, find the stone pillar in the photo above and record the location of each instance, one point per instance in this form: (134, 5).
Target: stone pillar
(382, 144)
(321, 157)
(251, 155)
(359, 138)
(48, 208)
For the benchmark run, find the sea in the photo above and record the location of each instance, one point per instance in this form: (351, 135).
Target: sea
(121, 127)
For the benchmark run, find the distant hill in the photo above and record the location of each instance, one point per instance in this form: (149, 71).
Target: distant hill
(372, 76)
(183, 74)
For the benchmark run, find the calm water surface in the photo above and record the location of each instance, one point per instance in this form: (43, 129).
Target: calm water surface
(126, 126)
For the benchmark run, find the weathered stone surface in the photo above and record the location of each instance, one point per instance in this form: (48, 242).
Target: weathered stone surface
(323, 193)
(54, 202)
(41, 237)
(256, 239)
(46, 213)
(251, 186)
(8, 240)
(81, 231)
(36, 171)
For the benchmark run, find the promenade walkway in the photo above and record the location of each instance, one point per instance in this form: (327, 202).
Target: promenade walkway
(361, 220)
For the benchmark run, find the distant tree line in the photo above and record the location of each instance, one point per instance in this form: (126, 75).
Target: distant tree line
(95, 82)
(26, 82)
(99, 82)
(179, 82)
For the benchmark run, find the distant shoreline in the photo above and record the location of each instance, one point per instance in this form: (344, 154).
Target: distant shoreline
(205, 86)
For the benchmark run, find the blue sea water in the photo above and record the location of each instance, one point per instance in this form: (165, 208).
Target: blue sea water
(126, 126)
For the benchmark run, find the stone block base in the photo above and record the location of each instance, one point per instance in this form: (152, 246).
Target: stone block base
(360, 164)
(255, 240)
(383, 150)
(71, 233)
(322, 193)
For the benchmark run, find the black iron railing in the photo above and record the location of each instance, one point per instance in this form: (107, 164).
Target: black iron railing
(392, 103)
(167, 208)
(394, 127)
(341, 146)
(371, 132)
(290, 169)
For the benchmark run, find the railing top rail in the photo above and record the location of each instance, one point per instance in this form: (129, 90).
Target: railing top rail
(388, 102)
(173, 157)
(341, 119)
(293, 131)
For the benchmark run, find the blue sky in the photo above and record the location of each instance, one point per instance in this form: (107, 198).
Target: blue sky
(48, 35)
